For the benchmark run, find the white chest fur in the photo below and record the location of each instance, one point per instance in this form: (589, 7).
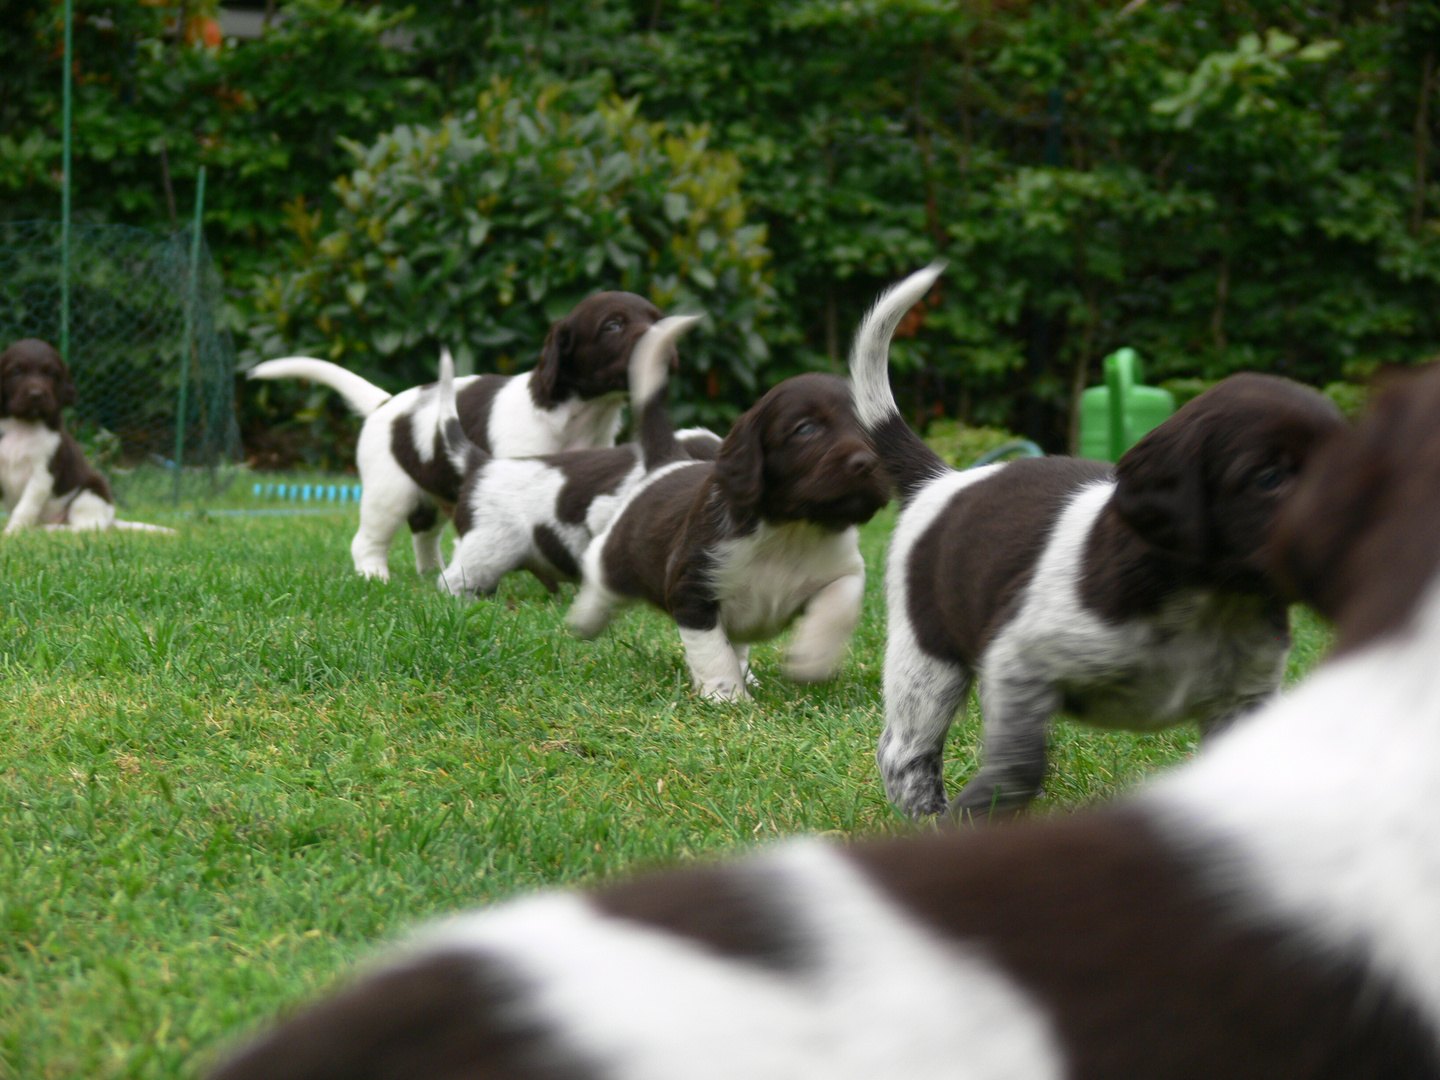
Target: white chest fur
(26, 447)
(518, 429)
(763, 579)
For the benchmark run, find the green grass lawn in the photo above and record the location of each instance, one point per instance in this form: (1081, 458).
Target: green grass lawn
(228, 766)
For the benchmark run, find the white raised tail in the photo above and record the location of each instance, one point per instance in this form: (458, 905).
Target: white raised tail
(363, 396)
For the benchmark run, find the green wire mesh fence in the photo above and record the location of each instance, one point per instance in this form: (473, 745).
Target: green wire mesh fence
(129, 290)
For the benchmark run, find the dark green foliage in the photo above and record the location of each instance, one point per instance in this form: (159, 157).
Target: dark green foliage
(480, 232)
(129, 291)
(1219, 185)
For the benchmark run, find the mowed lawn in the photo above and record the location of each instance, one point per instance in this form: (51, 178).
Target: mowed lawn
(228, 767)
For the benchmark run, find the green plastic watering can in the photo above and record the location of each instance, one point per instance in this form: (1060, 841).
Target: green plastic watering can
(1114, 416)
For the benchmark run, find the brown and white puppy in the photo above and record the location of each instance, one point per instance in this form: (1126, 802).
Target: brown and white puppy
(540, 513)
(734, 550)
(1132, 597)
(1265, 912)
(572, 400)
(43, 473)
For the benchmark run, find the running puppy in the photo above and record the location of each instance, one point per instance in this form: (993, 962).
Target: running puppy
(540, 513)
(1132, 597)
(571, 401)
(1265, 912)
(44, 477)
(736, 549)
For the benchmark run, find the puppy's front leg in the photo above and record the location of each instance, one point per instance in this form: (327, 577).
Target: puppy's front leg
(824, 630)
(1015, 715)
(1214, 725)
(742, 653)
(32, 501)
(717, 671)
(592, 610)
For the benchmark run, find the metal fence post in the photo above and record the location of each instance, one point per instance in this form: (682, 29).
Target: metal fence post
(65, 194)
(189, 343)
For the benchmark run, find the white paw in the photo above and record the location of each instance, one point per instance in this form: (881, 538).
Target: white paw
(724, 691)
(586, 625)
(379, 573)
(445, 585)
(807, 667)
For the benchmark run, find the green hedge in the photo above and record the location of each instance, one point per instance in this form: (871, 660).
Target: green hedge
(480, 231)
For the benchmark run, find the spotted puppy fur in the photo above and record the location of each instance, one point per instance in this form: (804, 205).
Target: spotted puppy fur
(736, 549)
(1131, 597)
(1265, 912)
(540, 513)
(572, 400)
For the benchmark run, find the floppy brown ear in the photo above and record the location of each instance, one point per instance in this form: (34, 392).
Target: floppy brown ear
(4, 367)
(1323, 521)
(740, 468)
(554, 354)
(1160, 490)
(65, 392)
(1356, 541)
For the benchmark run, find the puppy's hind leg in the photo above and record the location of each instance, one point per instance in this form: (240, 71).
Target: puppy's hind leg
(426, 525)
(831, 616)
(383, 509)
(89, 511)
(483, 556)
(921, 696)
(387, 498)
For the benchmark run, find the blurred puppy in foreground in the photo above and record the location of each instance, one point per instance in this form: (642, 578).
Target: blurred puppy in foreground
(1130, 596)
(1268, 911)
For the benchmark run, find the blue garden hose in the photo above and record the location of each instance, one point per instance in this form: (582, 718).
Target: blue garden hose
(1022, 447)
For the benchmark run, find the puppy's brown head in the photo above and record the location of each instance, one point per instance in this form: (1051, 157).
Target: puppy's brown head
(586, 353)
(800, 454)
(1360, 538)
(1204, 487)
(35, 383)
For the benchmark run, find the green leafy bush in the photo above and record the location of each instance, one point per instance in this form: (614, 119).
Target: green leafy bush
(962, 445)
(478, 232)
(1348, 397)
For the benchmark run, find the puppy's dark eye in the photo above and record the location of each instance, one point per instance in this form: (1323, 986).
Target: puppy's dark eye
(1271, 478)
(611, 325)
(804, 429)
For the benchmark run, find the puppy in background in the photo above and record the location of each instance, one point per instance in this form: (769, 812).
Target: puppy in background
(735, 549)
(540, 513)
(572, 400)
(1132, 597)
(44, 477)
